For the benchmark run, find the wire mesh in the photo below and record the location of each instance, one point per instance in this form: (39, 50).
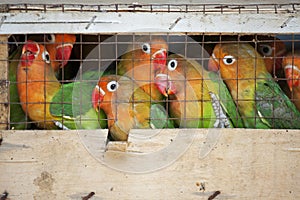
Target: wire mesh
(153, 81)
(142, 7)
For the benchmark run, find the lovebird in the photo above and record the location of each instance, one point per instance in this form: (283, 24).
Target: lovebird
(197, 98)
(260, 100)
(44, 100)
(126, 106)
(140, 62)
(59, 47)
(47, 102)
(37, 84)
(291, 66)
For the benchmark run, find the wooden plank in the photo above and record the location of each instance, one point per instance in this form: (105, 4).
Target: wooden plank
(93, 2)
(127, 22)
(244, 164)
(4, 91)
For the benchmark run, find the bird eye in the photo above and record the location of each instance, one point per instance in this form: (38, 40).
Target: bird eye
(266, 50)
(228, 60)
(46, 56)
(146, 48)
(112, 86)
(172, 64)
(50, 38)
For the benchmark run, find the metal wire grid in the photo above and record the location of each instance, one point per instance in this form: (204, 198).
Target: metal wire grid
(108, 54)
(139, 7)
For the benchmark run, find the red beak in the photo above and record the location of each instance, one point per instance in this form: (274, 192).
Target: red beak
(159, 59)
(29, 52)
(213, 64)
(292, 73)
(164, 85)
(97, 97)
(63, 53)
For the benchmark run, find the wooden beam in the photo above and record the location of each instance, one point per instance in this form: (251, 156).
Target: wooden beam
(4, 87)
(243, 164)
(128, 22)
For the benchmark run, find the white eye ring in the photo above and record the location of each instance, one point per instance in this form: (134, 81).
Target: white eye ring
(228, 60)
(172, 65)
(50, 38)
(265, 49)
(146, 48)
(46, 57)
(112, 86)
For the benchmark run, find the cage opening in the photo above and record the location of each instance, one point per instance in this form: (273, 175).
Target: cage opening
(157, 81)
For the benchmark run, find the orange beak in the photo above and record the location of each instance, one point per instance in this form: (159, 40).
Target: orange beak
(292, 74)
(29, 51)
(213, 64)
(97, 97)
(164, 84)
(159, 59)
(63, 53)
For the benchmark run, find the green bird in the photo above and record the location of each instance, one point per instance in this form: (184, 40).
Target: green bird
(196, 98)
(73, 102)
(260, 100)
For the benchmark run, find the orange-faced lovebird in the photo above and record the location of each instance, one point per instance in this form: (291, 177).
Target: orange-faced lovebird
(37, 87)
(141, 60)
(291, 66)
(196, 98)
(59, 47)
(260, 100)
(124, 103)
(126, 106)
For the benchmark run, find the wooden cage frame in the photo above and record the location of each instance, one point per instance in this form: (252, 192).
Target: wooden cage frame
(241, 164)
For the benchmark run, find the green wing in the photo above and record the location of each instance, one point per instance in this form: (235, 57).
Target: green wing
(159, 117)
(61, 104)
(154, 113)
(274, 108)
(18, 118)
(216, 85)
(85, 115)
(77, 105)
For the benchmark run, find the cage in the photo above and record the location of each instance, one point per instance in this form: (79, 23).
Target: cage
(149, 100)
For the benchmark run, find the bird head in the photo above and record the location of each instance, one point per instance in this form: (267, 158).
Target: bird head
(34, 52)
(152, 49)
(30, 51)
(61, 45)
(222, 59)
(291, 66)
(236, 61)
(102, 93)
(163, 80)
(272, 50)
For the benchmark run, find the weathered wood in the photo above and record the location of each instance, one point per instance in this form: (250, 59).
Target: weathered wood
(4, 88)
(128, 22)
(244, 164)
